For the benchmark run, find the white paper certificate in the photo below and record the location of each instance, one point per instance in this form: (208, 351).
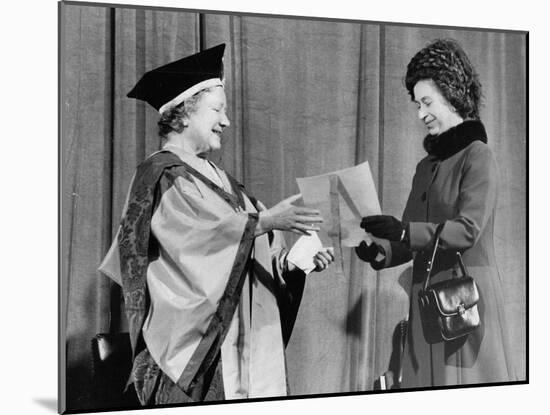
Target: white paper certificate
(302, 252)
(343, 197)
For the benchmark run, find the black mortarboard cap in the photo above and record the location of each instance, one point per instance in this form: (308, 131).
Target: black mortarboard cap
(171, 84)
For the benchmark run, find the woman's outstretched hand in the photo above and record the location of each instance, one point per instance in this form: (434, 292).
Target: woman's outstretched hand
(285, 216)
(384, 226)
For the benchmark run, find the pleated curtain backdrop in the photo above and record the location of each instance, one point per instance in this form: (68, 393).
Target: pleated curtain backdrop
(305, 97)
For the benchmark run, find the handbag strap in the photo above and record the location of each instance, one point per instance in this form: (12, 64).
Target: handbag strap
(434, 250)
(461, 264)
(431, 261)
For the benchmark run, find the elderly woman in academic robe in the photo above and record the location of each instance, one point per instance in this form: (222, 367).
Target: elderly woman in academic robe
(209, 294)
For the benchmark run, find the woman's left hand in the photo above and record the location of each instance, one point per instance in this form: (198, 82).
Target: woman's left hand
(384, 226)
(323, 258)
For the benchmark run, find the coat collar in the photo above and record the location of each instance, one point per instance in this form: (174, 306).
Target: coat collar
(453, 140)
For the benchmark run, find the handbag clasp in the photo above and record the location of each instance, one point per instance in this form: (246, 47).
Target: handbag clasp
(461, 309)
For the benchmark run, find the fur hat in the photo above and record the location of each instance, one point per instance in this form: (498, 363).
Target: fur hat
(444, 62)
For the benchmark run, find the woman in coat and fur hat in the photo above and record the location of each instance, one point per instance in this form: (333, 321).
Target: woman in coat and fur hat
(454, 185)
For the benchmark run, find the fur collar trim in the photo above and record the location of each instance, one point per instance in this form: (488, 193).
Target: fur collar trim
(453, 140)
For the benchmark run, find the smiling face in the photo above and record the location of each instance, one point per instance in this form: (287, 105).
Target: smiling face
(433, 109)
(204, 125)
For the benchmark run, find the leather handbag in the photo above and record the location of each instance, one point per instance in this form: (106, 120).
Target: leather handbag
(448, 309)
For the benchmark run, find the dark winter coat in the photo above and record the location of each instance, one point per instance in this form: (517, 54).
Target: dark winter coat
(456, 184)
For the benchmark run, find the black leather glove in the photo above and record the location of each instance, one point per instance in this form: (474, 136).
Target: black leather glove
(385, 227)
(367, 252)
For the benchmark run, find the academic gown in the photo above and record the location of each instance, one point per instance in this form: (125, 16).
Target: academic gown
(210, 307)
